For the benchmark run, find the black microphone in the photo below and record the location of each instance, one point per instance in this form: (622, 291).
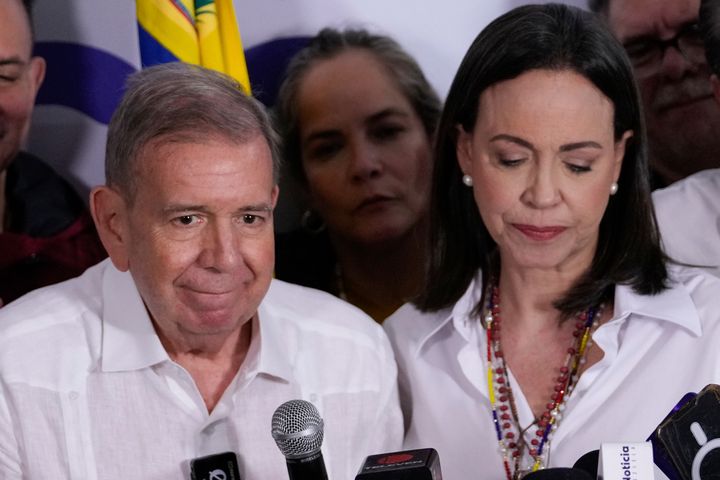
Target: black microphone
(421, 464)
(687, 442)
(589, 463)
(298, 432)
(559, 474)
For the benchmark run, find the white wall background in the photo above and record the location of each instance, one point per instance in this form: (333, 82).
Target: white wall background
(436, 33)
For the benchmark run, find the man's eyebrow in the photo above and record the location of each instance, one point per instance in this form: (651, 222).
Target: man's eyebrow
(655, 37)
(182, 208)
(262, 207)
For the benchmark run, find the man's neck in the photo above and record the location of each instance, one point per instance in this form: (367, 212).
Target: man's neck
(213, 367)
(3, 175)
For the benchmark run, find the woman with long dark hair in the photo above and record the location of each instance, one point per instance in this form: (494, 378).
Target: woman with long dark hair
(551, 320)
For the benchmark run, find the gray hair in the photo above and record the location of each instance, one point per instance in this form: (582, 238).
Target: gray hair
(329, 43)
(710, 29)
(180, 101)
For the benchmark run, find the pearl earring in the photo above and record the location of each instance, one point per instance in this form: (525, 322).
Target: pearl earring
(613, 188)
(467, 180)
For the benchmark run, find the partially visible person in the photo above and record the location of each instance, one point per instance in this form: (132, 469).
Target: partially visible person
(46, 233)
(688, 212)
(357, 117)
(181, 345)
(688, 215)
(551, 321)
(710, 30)
(663, 42)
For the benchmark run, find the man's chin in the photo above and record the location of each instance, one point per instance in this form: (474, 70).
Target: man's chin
(214, 330)
(216, 320)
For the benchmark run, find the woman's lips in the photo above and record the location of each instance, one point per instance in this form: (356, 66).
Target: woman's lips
(540, 233)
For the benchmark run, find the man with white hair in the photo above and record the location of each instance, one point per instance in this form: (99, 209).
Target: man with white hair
(181, 345)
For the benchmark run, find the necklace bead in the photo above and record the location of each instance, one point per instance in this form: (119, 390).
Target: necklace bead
(504, 408)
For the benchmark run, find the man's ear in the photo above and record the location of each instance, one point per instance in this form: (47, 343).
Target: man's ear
(37, 73)
(275, 194)
(110, 213)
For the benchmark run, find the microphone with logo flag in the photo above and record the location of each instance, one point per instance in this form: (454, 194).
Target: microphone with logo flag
(220, 466)
(420, 464)
(687, 442)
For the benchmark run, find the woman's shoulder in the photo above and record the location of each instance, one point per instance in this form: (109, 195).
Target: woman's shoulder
(689, 302)
(699, 283)
(692, 278)
(409, 325)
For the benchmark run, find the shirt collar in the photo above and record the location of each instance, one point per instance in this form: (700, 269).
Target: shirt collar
(129, 339)
(674, 304)
(131, 343)
(276, 349)
(462, 315)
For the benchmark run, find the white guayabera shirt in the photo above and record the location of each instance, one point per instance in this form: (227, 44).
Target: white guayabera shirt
(88, 392)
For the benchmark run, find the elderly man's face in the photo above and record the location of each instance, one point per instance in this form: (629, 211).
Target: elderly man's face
(199, 234)
(20, 78)
(682, 119)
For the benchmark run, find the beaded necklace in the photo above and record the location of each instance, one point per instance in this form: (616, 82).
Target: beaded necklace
(502, 401)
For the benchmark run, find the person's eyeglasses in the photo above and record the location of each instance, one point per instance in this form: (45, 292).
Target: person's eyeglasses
(646, 54)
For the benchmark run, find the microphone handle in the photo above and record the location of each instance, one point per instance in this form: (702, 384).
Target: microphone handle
(309, 468)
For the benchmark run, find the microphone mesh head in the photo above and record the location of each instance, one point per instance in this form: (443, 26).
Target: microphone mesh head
(297, 429)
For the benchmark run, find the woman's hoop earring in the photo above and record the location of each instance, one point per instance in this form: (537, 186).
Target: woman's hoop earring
(613, 188)
(467, 180)
(312, 222)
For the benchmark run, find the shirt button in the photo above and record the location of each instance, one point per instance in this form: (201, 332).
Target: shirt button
(74, 395)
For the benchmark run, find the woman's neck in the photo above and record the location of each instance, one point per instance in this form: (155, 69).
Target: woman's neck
(534, 340)
(531, 293)
(380, 278)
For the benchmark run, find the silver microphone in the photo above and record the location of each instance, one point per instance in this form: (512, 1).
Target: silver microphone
(298, 432)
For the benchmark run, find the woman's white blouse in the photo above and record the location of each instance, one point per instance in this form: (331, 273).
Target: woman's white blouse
(656, 349)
